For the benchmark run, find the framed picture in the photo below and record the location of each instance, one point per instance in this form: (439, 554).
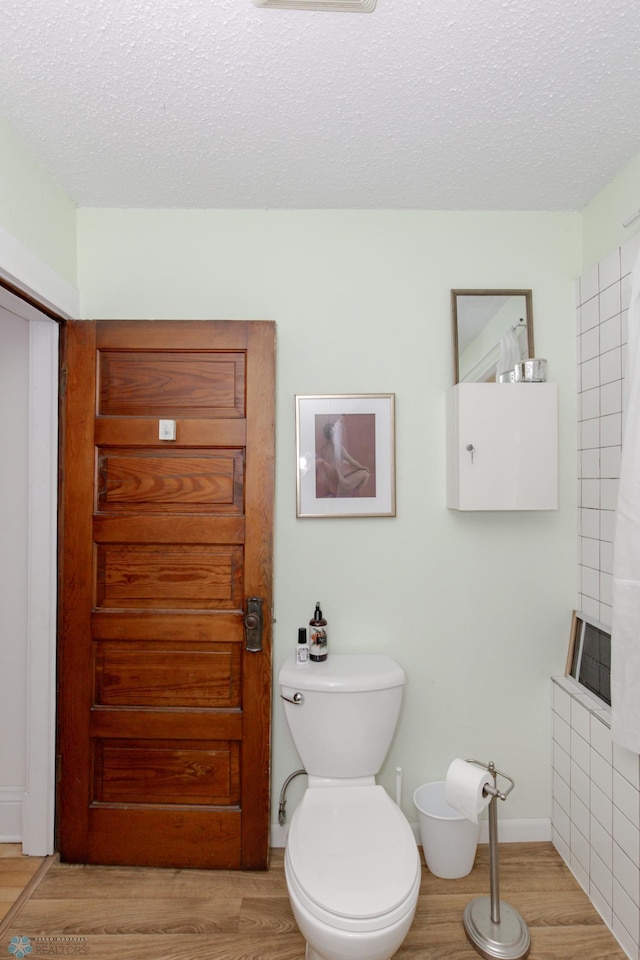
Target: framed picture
(345, 455)
(589, 655)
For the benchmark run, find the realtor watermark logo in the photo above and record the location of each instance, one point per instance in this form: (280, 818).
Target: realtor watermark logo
(21, 947)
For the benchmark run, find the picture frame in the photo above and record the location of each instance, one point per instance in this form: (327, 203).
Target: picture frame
(345, 455)
(589, 655)
(576, 628)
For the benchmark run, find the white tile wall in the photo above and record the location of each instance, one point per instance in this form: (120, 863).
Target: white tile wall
(602, 301)
(596, 809)
(596, 783)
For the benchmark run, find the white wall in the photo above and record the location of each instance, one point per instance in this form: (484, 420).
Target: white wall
(602, 295)
(596, 784)
(604, 217)
(475, 607)
(596, 809)
(35, 212)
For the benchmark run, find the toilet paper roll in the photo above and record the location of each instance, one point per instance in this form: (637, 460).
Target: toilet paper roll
(464, 785)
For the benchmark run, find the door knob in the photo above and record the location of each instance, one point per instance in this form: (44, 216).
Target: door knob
(253, 625)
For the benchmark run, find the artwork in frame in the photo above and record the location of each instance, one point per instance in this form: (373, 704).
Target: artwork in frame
(345, 455)
(589, 655)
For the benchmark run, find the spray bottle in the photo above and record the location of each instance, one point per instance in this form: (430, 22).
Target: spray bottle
(318, 639)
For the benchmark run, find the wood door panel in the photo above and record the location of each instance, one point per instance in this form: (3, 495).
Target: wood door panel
(142, 528)
(123, 625)
(176, 335)
(116, 431)
(135, 383)
(169, 576)
(155, 675)
(208, 836)
(166, 772)
(185, 724)
(173, 480)
(164, 715)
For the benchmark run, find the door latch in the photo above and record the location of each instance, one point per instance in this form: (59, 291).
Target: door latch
(253, 625)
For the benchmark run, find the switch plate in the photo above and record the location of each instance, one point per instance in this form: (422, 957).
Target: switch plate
(166, 429)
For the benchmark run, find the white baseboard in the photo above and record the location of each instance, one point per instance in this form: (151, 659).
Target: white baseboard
(509, 831)
(11, 814)
(519, 831)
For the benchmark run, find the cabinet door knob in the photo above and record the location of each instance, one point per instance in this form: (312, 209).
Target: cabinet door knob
(471, 449)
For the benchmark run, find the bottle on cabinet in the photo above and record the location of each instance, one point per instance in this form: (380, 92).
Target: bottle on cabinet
(318, 639)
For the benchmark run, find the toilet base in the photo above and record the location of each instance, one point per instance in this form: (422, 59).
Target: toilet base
(312, 954)
(325, 943)
(353, 873)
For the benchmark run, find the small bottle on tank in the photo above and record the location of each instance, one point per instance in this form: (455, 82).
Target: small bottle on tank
(318, 636)
(302, 648)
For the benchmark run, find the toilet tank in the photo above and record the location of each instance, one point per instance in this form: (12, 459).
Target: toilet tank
(344, 724)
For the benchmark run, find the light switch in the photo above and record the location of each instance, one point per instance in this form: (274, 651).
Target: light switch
(166, 429)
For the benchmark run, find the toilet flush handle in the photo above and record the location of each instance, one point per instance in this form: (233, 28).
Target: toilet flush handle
(297, 698)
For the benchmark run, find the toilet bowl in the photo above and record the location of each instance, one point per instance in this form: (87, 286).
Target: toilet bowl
(353, 873)
(351, 860)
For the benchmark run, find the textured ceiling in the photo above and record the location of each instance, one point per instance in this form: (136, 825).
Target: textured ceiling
(441, 104)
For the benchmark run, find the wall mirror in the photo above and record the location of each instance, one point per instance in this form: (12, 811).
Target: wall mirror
(485, 323)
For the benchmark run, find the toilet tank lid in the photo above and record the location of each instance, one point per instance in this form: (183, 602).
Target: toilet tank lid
(343, 673)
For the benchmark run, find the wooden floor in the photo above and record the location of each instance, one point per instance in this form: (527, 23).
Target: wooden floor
(16, 871)
(124, 913)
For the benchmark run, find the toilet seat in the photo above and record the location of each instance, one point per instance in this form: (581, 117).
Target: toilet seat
(352, 859)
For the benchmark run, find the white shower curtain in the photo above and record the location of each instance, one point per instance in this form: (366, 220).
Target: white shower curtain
(625, 631)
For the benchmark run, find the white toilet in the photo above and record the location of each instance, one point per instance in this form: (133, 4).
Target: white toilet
(351, 861)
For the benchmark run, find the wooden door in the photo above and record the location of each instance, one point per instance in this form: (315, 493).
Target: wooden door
(164, 714)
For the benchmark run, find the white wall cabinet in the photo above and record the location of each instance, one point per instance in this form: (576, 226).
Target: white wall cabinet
(502, 446)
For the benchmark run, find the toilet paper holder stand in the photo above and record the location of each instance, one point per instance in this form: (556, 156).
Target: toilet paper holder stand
(494, 928)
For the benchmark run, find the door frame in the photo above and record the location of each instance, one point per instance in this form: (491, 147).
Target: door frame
(38, 805)
(35, 801)
(43, 301)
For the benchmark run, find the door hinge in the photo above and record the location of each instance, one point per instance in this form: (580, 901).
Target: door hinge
(58, 768)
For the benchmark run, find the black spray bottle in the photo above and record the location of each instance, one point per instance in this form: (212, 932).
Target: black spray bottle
(318, 637)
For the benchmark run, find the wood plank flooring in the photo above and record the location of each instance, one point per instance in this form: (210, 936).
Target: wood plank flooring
(125, 913)
(16, 871)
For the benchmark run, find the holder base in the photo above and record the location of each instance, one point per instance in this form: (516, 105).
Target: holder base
(507, 940)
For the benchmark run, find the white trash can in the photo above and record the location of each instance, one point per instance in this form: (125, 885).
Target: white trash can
(449, 840)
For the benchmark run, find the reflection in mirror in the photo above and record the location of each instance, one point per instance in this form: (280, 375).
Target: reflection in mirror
(491, 329)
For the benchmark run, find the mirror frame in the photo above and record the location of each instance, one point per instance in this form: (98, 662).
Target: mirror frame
(527, 294)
